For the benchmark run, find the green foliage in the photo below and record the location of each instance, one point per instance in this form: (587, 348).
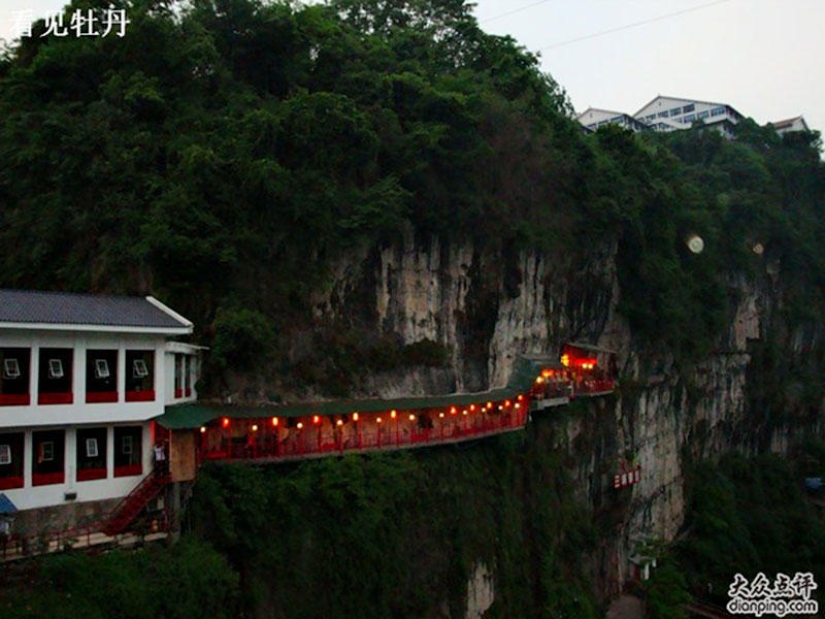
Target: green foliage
(228, 154)
(749, 515)
(667, 592)
(188, 580)
(242, 337)
(399, 535)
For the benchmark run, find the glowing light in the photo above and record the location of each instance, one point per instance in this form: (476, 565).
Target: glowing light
(539, 380)
(316, 419)
(392, 414)
(225, 422)
(520, 398)
(472, 408)
(565, 360)
(464, 412)
(453, 410)
(441, 415)
(300, 425)
(339, 422)
(517, 406)
(355, 416)
(489, 405)
(378, 420)
(275, 421)
(255, 427)
(507, 403)
(412, 417)
(203, 429)
(695, 244)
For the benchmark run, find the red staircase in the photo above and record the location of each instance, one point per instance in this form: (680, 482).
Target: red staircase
(132, 504)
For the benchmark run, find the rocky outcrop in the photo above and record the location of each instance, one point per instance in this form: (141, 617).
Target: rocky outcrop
(487, 307)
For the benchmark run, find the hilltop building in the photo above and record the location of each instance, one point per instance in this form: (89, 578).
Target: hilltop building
(593, 118)
(673, 114)
(666, 114)
(791, 124)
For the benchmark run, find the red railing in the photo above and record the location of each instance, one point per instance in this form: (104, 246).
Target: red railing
(588, 387)
(48, 479)
(91, 473)
(55, 398)
(15, 399)
(132, 504)
(327, 436)
(141, 396)
(98, 397)
(10, 482)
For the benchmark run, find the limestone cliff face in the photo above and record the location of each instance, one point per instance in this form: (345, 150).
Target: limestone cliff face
(489, 307)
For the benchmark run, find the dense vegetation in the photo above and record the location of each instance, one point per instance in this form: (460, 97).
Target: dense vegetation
(751, 515)
(401, 535)
(188, 580)
(224, 155)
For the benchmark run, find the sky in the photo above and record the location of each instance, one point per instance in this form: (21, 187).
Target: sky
(766, 58)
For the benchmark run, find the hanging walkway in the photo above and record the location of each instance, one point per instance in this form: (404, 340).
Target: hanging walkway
(288, 432)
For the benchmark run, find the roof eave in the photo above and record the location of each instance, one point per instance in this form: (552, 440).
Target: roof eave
(51, 326)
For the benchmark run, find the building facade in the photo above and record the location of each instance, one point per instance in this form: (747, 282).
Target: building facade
(81, 379)
(593, 118)
(665, 114)
(791, 124)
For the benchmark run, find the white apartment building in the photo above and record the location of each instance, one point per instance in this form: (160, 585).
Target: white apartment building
(81, 379)
(673, 114)
(593, 118)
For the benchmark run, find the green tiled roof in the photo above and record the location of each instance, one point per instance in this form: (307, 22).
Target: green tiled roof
(525, 370)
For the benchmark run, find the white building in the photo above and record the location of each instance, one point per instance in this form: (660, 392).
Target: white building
(81, 378)
(593, 118)
(791, 124)
(673, 114)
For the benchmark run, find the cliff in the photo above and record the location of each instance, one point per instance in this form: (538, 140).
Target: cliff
(488, 307)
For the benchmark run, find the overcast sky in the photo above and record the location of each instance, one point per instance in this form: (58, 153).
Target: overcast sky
(766, 58)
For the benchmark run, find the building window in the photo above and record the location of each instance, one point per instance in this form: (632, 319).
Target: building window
(689, 108)
(702, 115)
(663, 114)
(11, 369)
(55, 376)
(11, 460)
(102, 369)
(676, 111)
(690, 118)
(55, 369)
(718, 111)
(14, 378)
(101, 376)
(140, 382)
(48, 463)
(128, 451)
(91, 454)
